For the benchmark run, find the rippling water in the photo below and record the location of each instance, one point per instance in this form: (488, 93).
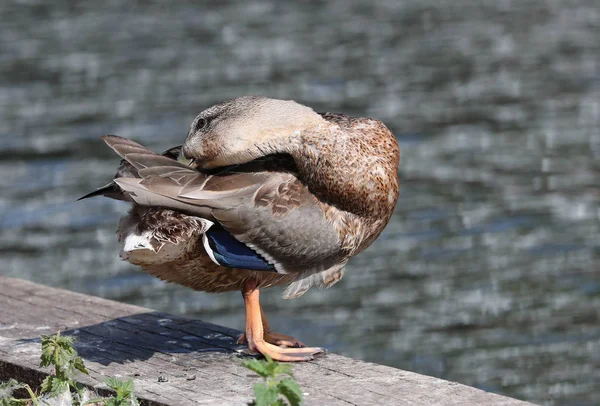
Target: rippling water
(487, 273)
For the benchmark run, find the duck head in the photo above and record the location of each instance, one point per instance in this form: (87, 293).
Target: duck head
(243, 129)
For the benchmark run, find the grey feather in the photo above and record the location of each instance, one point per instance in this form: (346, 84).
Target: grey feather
(323, 279)
(271, 212)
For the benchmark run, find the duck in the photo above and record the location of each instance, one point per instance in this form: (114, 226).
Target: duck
(263, 192)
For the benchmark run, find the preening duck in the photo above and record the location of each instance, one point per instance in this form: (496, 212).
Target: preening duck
(263, 192)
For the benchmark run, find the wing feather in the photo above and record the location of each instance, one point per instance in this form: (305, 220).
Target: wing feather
(270, 211)
(123, 146)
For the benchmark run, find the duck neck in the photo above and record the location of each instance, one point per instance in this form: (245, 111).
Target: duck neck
(345, 170)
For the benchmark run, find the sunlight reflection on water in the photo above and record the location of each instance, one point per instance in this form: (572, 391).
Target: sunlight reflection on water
(487, 272)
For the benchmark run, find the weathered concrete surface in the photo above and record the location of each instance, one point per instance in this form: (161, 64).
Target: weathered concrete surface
(200, 361)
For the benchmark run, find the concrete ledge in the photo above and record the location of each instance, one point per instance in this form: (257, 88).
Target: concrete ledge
(200, 361)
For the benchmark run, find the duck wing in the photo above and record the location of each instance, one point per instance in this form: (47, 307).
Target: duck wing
(267, 210)
(126, 170)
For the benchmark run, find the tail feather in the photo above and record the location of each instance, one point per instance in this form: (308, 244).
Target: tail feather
(123, 146)
(111, 190)
(138, 155)
(126, 148)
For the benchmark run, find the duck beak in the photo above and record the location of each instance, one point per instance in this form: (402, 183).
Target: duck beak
(186, 161)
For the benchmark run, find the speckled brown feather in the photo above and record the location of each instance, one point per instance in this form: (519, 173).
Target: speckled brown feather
(192, 267)
(355, 175)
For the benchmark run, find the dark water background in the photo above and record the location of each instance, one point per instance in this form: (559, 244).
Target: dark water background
(487, 274)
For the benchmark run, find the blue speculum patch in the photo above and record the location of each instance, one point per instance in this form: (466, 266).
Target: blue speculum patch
(231, 253)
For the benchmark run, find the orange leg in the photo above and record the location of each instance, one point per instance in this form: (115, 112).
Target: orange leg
(255, 331)
(281, 340)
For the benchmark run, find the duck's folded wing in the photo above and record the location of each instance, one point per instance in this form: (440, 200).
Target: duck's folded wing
(273, 213)
(125, 169)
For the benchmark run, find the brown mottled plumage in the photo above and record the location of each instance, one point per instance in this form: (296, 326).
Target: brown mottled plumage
(305, 191)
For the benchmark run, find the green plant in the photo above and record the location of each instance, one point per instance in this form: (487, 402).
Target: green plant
(124, 393)
(276, 388)
(6, 394)
(58, 352)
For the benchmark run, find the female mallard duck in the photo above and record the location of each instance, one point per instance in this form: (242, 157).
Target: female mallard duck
(263, 192)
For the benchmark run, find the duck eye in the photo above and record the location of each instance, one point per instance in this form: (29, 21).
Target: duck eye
(200, 124)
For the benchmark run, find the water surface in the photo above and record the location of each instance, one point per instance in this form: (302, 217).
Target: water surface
(487, 274)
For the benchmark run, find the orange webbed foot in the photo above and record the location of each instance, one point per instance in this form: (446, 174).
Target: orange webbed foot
(285, 354)
(279, 347)
(280, 340)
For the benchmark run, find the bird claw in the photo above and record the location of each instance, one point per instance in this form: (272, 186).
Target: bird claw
(286, 354)
(280, 340)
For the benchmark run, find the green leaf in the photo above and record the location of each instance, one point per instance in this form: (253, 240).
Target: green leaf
(271, 367)
(124, 395)
(66, 341)
(257, 366)
(77, 387)
(127, 387)
(112, 382)
(58, 387)
(111, 402)
(64, 356)
(274, 368)
(7, 388)
(264, 396)
(79, 365)
(280, 369)
(291, 390)
(13, 402)
(47, 352)
(47, 384)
